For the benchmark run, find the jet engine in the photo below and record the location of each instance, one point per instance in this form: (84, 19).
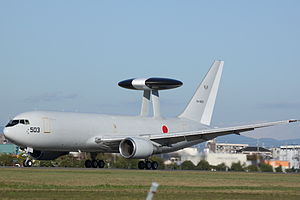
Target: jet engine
(47, 155)
(136, 148)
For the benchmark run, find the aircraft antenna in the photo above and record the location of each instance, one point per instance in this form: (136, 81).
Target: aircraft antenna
(151, 87)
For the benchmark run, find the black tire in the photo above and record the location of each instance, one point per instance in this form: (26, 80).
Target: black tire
(141, 165)
(29, 163)
(88, 163)
(25, 163)
(148, 165)
(101, 163)
(94, 163)
(154, 165)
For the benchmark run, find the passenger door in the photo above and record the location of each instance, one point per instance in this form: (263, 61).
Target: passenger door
(47, 125)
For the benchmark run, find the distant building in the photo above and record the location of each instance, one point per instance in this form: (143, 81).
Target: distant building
(9, 149)
(215, 154)
(226, 158)
(290, 153)
(191, 154)
(213, 147)
(173, 160)
(263, 152)
(277, 163)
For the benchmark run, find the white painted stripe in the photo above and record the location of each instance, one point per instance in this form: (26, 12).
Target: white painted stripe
(140, 84)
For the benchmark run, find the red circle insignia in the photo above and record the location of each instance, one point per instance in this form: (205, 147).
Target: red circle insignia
(165, 129)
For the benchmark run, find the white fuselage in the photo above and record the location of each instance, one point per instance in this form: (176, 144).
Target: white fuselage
(64, 131)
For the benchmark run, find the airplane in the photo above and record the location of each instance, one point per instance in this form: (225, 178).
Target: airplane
(48, 135)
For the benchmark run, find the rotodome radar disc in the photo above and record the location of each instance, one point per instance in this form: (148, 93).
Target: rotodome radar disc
(150, 83)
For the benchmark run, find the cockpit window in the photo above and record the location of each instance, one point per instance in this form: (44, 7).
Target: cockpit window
(17, 121)
(12, 123)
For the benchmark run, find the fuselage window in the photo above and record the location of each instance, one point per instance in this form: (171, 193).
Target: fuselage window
(26, 122)
(22, 121)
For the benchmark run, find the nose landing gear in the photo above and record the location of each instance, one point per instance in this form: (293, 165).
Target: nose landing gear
(148, 165)
(27, 163)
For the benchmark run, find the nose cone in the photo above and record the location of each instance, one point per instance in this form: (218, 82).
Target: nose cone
(6, 132)
(9, 135)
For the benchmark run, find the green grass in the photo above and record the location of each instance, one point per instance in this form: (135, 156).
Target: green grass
(51, 183)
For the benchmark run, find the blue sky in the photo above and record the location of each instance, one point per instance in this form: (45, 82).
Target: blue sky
(69, 56)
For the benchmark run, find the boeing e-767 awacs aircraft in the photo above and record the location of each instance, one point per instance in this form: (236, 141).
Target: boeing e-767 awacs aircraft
(48, 135)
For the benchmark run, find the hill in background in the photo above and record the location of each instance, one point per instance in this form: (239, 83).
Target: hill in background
(265, 142)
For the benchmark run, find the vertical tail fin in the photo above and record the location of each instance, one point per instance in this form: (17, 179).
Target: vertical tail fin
(201, 106)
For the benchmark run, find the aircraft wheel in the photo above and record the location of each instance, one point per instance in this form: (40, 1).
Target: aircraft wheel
(101, 163)
(148, 165)
(27, 163)
(88, 163)
(154, 165)
(94, 164)
(24, 163)
(141, 165)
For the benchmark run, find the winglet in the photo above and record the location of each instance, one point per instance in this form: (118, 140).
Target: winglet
(201, 106)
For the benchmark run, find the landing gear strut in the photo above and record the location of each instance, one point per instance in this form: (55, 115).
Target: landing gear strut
(148, 165)
(28, 162)
(94, 163)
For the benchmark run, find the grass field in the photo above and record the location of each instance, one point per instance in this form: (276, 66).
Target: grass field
(24, 183)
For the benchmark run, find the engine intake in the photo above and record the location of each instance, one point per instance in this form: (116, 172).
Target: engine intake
(136, 148)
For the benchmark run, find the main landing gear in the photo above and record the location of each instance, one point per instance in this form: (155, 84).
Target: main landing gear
(94, 163)
(148, 165)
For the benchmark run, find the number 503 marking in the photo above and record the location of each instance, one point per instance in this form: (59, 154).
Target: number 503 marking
(35, 129)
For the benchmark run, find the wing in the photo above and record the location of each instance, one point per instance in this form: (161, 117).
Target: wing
(209, 134)
(168, 139)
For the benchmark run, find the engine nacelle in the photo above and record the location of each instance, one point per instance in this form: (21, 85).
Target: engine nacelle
(46, 155)
(136, 148)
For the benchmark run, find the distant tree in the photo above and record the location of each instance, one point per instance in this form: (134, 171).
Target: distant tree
(6, 160)
(124, 163)
(172, 166)
(45, 163)
(67, 161)
(278, 169)
(265, 167)
(252, 168)
(187, 165)
(203, 165)
(21, 158)
(291, 170)
(221, 167)
(159, 160)
(237, 167)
